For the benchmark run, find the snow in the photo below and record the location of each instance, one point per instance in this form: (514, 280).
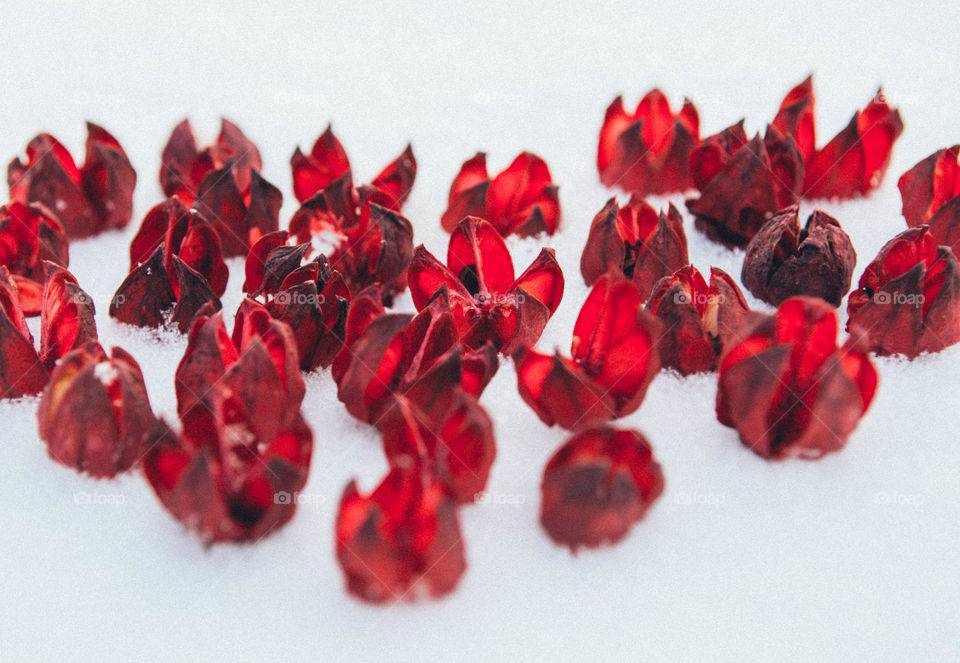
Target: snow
(850, 557)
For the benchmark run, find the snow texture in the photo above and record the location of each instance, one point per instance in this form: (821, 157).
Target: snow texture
(851, 557)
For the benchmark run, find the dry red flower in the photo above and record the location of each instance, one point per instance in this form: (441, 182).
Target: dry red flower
(183, 166)
(520, 200)
(21, 371)
(401, 541)
(94, 414)
(597, 485)
(327, 162)
(487, 303)
(931, 195)
(786, 386)
(908, 299)
(614, 359)
(783, 260)
(636, 241)
(697, 319)
(67, 315)
(743, 183)
(647, 152)
(87, 200)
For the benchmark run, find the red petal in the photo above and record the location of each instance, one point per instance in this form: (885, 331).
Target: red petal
(21, 371)
(108, 179)
(326, 162)
(145, 295)
(396, 180)
(468, 192)
(479, 258)
(67, 318)
(796, 118)
(560, 393)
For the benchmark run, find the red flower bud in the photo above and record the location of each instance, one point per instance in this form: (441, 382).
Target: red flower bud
(328, 162)
(908, 300)
(788, 389)
(522, 199)
(94, 414)
(931, 195)
(239, 216)
(636, 241)
(697, 319)
(449, 435)
(184, 167)
(397, 351)
(647, 152)
(21, 371)
(186, 234)
(743, 183)
(784, 260)
(615, 357)
(855, 160)
(234, 483)
(152, 296)
(597, 485)
(88, 200)
(401, 540)
(487, 304)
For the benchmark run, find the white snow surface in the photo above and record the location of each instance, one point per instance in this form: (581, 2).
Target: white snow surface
(850, 557)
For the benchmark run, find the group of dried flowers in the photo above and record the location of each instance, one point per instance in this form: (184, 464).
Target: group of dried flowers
(243, 447)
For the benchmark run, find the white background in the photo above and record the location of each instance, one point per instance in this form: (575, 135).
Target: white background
(850, 557)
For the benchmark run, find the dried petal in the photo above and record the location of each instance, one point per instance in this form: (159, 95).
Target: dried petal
(94, 413)
(378, 250)
(931, 195)
(647, 152)
(240, 219)
(784, 260)
(30, 235)
(796, 118)
(597, 485)
(788, 389)
(67, 318)
(21, 371)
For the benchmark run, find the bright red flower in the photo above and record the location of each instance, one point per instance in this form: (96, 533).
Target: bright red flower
(522, 199)
(403, 540)
(312, 298)
(697, 319)
(328, 162)
(261, 349)
(908, 299)
(743, 183)
(94, 414)
(784, 260)
(21, 371)
(788, 389)
(186, 234)
(184, 167)
(931, 195)
(597, 485)
(796, 118)
(614, 359)
(88, 200)
(646, 152)
(636, 241)
(396, 352)
(856, 159)
(67, 317)
(487, 303)
(445, 432)
(30, 235)
(239, 481)
(153, 296)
